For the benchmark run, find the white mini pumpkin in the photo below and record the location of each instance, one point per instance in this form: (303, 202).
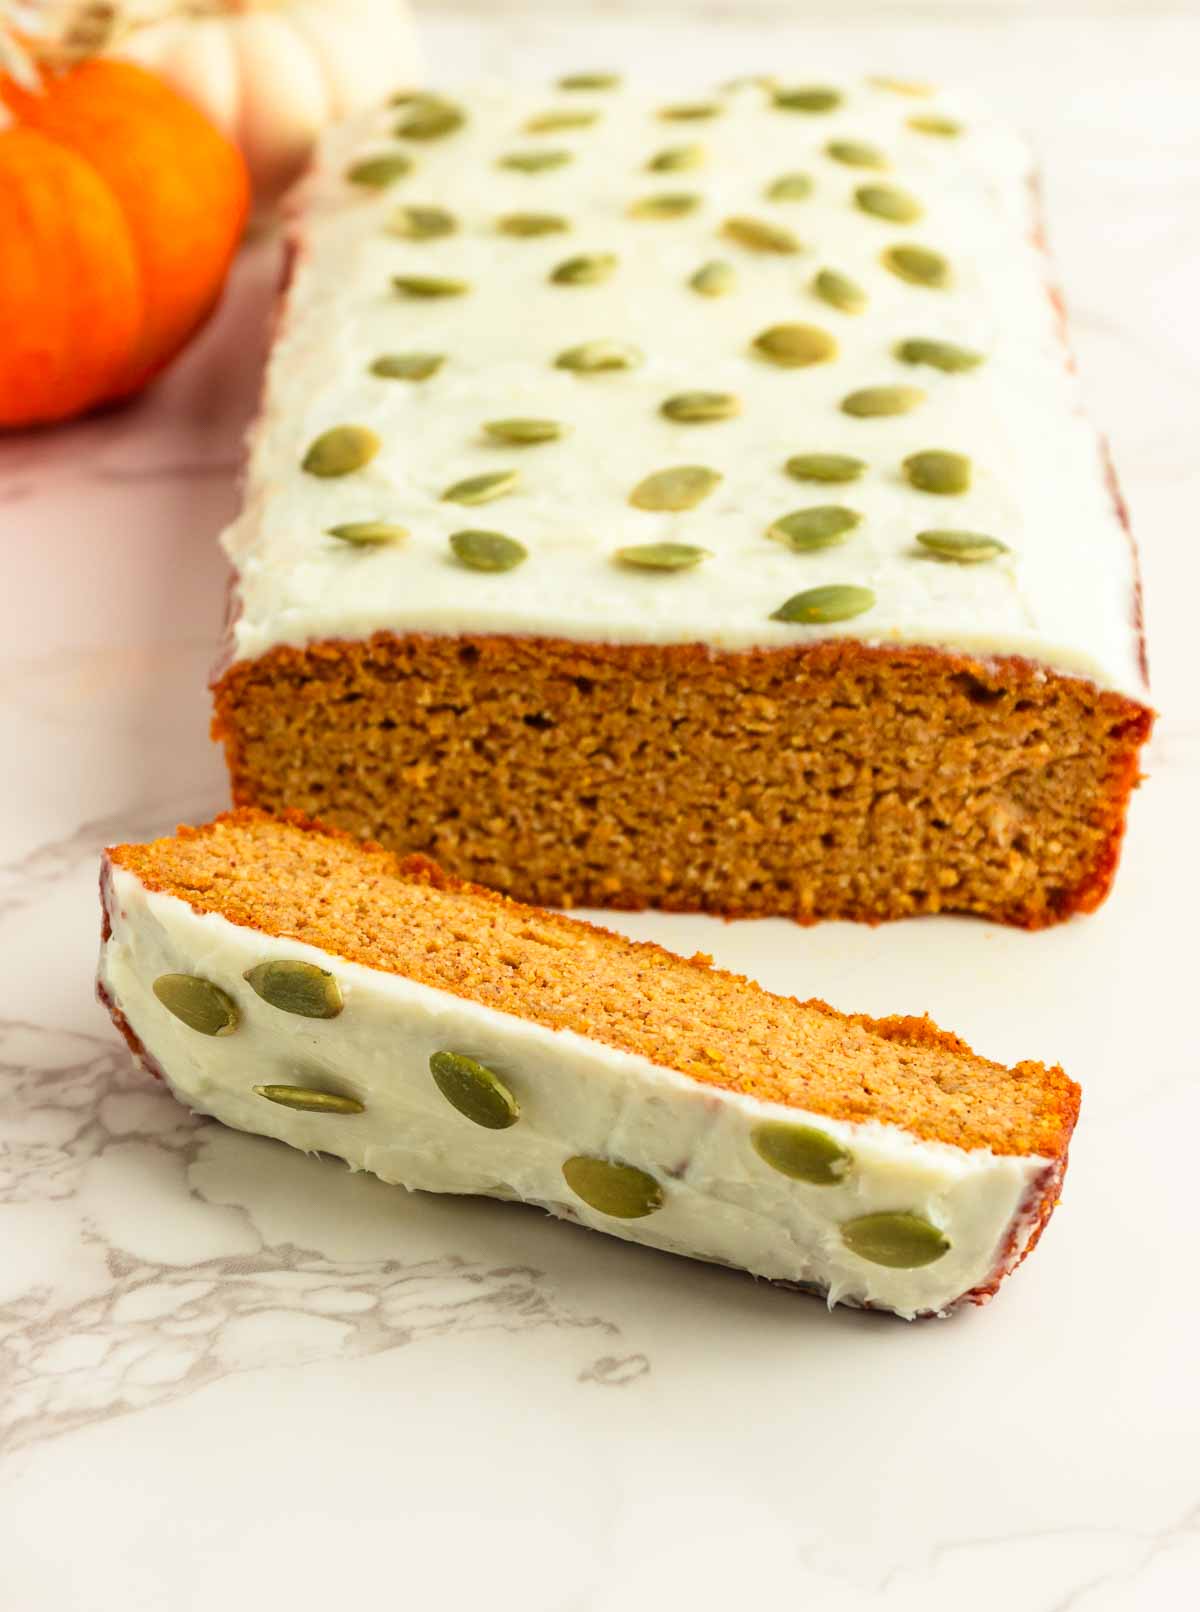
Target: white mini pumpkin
(272, 73)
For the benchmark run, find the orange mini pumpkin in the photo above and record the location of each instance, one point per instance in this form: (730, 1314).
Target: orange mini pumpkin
(120, 211)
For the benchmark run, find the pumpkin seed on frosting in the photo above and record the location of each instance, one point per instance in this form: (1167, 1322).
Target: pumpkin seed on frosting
(487, 551)
(807, 98)
(901, 86)
(482, 489)
(595, 357)
(715, 279)
(822, 526)
(671, 204)
(523, 433)
(427, 287)
(590, 81)
(918, 265)
(476, 1091)
(872, 402)
(934, 123)
(836, 601)
(294, 986)
(309, 1100)
(530, 225)
(661, 556)
(824, 467)
(535, 162)
(759, 235)
(944, 355)
(801, 1152)
(936, 470)
(562, 119)
(430, 118)
(620, 1190)
(856, 154)
(689, 111)
(888, 202)
(421, 223)
(373, 173)
(795, 346)
(839, 291)
(680, 487)
(198, 1003)
(368, 534)
(407, 366)
(677, 159)
(901, 1241)
(790, 187)
(690, 408)
(588, 268)
(968, 548)
(341, 450)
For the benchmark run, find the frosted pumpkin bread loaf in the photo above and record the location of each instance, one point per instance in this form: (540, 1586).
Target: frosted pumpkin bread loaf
(687, 504)
(293, 982)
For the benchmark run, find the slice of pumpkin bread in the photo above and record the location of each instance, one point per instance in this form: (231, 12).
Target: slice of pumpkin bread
(291, 981)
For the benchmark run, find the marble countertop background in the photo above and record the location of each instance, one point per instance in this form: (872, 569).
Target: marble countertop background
(233, 1377)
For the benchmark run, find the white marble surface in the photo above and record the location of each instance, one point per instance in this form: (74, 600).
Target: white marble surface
(234, 1377)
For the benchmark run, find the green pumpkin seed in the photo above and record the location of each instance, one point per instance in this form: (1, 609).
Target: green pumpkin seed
(475, 1090)
(593, 357)
(856, 154)
(482, 489)
(715, 279)
(619, 1190)
(535, 162)
(421, 223)
(689, 112)
(567, 117)
(901, 1241)
(790, 187)
(889, 203)
(662, 556)
(760, 236)
(308, 1100)
(407, 97)
(430, 118)
(807, 98)
(531, 225)
(901, 86)
(199, 1003)
(678, 159)
(368, 534)
(937, 471)
(429, 286)
(943, 355)
(837, 601)
(341, 450)
(919, 265)
(839, 291)
(487, 551)
(681, 487)
(590, 81)
(376, 172)
(692, 408)
(795, 346)
(823, 526)
(293, 986)
(802, 1152)
(524, 433)
(408, 366)
(966, 547)
(671, 204)
(827, 467)
(872, 402)
(932, 123)
(589, 268)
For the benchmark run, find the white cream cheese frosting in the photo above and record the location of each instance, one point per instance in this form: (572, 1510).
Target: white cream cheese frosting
(720, 1200)
(1064, 592)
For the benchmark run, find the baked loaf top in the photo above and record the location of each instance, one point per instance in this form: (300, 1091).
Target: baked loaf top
(719, 289)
